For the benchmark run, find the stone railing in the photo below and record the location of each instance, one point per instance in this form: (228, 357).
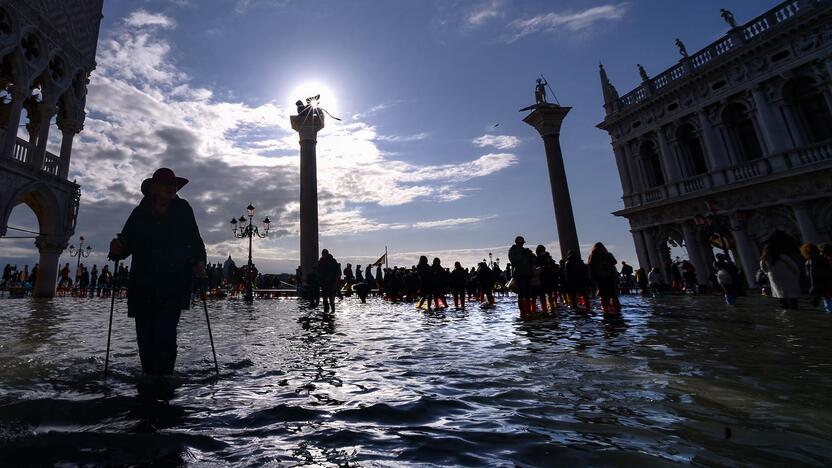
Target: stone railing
(783, 162)
(735, 39)
(23, 152)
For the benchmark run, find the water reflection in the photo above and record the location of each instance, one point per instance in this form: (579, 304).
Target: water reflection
(379, 384)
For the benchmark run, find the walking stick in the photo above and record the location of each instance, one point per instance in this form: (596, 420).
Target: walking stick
(208, 321)
(110, 327)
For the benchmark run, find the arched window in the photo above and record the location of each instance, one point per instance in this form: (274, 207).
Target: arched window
(812, 112)
(651, 163)
(691, 149)
(741, 132)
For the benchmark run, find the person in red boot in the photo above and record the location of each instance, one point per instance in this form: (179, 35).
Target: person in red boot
(602, 271)
(522, 261)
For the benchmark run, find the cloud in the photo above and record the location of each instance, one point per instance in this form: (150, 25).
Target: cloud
(242, 6)
(403, 138)
(573, 21)
(449, 223)
(143, 112)
(497, 141)
(376, 109)
(483, 13)
(143, 18)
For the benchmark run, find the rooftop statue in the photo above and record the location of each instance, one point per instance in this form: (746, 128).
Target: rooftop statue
(728, 17)
(642, 73)
(682, 49)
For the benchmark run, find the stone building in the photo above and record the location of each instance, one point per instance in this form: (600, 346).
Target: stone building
(47, 52)
(732, 143)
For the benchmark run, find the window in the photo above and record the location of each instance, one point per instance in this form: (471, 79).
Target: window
(652, 164)
(741, 132)
(809, 104)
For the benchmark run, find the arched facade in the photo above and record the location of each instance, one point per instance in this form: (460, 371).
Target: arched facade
(743, 133)
(47, 51)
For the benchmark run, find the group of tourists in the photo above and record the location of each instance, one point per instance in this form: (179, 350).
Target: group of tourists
(781, 274)
(92, 283)
(17, 278)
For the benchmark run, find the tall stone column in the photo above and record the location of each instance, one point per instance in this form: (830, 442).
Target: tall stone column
(803, 216)
(50, 248)
(641, 251)
(669, 161)
(69, 128)
(653, 254)
(547, 120)
(774, 133)
(307, 127)
(695, 254)
(623, 170)
(747, 251)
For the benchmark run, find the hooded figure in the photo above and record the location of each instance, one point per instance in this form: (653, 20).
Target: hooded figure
(162, 236)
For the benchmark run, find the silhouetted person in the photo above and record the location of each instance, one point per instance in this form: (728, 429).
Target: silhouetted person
(522, 262)
(329, 273)
(602, 271)
(162, 236)
(459, 279)
(576, 278)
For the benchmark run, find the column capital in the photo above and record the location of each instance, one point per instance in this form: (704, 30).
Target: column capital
(546, 118)
(307, 126)
(54, 244)
(70, 125)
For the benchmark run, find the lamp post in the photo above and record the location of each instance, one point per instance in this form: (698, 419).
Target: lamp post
(80, 252)
(247, 229)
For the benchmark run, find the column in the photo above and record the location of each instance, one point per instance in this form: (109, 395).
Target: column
(749, 256)
(803, 216)
(50, 248)
(693, 245)
(716, 158)
(547, 120)
(18, 97)
(69, 128)
(46, 114)
(641, 251)
(636, 179)
(653, 254)
(623, 170)
(774, 132)
(307, 127)
(669, 161)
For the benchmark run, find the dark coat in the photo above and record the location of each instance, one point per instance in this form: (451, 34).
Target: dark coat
(165, 250)
(328, 272)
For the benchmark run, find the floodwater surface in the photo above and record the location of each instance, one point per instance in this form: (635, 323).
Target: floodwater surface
(677, 380)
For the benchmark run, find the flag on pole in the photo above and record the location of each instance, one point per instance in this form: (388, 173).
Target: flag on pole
(381, 260)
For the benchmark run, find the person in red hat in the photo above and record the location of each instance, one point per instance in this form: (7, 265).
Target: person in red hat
(162, 236)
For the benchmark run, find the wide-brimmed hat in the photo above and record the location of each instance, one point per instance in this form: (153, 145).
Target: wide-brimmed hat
(163, 175)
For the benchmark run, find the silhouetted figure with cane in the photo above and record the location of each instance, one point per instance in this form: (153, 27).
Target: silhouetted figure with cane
(162, 236)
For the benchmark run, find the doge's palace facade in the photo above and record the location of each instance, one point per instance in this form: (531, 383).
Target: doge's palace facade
(731, 144)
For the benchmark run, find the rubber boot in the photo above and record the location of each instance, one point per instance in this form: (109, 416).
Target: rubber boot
(553, 301)
(605, 305)
(462, 300)
(543, 307)
(532, 305)
(456, 302)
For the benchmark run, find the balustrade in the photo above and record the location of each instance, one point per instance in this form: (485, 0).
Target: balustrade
(23, 151)
(751, 31)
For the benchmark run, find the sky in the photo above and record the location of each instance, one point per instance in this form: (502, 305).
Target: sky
(431, 156)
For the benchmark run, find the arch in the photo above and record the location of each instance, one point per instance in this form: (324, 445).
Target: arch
(742, 133)
(691, 148)
(762, 225)
(809, 108)
(43, 202)
(651, 162)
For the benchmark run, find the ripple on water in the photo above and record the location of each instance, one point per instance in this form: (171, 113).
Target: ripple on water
(677, 379)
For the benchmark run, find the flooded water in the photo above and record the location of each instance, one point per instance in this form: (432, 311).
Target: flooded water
(679, 379)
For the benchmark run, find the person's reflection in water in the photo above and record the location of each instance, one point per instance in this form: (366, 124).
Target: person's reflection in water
(614, 325)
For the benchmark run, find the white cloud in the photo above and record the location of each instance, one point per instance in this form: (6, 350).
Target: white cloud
(403, 138)
(497, 141)
(573, 21)
(143, 18)
(483, 13)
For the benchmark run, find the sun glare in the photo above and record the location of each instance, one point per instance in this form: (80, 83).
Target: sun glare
(313, 88)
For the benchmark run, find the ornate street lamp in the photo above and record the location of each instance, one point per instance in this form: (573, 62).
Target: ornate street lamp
(247, 229)
(80, 252)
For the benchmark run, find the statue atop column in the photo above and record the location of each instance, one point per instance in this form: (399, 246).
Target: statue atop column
(643, 73)
(728, 17)
(540, 91)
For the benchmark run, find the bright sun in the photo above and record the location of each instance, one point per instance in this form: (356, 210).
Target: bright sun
(312, 88)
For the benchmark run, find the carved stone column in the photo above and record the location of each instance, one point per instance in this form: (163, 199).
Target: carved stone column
(636, 179)
(808, 230)
(749, 254)
(641, 251)
(47, 111)
(69, 128)
(774, 131)
(50, 248)
(717, 159)
(19, 96)
(307, 127)
(669, 161)
(653, 254)
(623, 169)
(695, 253)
